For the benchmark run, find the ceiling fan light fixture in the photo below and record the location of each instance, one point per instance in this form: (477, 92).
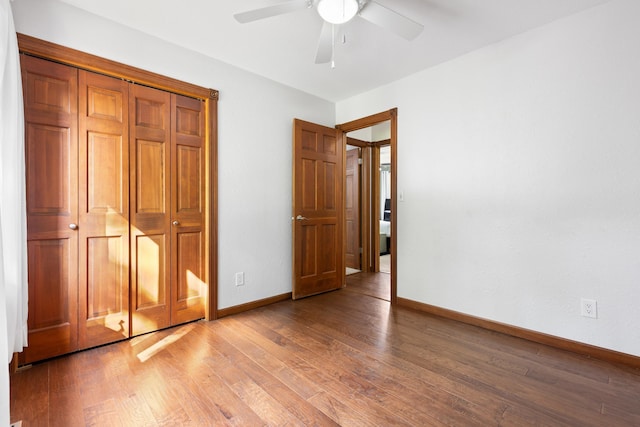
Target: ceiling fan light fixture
(337, 11)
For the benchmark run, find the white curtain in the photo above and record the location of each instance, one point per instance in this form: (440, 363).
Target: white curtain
(13, 227)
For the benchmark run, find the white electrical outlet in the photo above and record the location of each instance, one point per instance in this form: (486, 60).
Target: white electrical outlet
(589, 308)
(240, 279)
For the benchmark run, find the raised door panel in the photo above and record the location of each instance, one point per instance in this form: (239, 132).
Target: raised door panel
(150, 130)
(151, 195)
(151, 274)
(318, 253)
(308, 243)
(189, 288)
(50, 96)
(103, 195)
(188, 167)
(49, 166)
(189, 282)
(52, 304)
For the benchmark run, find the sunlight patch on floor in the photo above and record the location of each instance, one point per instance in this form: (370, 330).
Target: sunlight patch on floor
(147, 354)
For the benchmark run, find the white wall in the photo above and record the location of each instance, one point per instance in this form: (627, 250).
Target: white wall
(378, 132)
(520, 167)
(255, 128)
(362, 134)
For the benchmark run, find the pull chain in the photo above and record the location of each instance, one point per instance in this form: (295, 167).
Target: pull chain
(333, 46)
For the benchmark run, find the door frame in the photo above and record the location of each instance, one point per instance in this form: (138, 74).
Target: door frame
(364, 122)
(62, 54)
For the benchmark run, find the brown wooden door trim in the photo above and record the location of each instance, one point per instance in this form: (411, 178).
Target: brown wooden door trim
(211, 202)
(54, 52)
(392, 116)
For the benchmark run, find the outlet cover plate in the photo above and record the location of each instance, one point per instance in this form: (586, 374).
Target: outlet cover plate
(240, 279)
(589, 308)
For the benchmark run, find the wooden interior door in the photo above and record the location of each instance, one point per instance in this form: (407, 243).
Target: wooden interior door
(103, 194)
(150, 123)
(189, 289)
(50, 98)
(318, 218)
(353, 246)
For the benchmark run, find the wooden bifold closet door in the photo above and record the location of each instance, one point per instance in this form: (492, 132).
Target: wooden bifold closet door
(115, 208)
(167, 199)
(51, 149)
(103, 195)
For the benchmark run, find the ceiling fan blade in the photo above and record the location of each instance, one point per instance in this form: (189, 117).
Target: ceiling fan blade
(325, 44)
(269, 11)
(391, 20)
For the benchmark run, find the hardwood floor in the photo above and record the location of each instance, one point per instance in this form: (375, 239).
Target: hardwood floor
(385, 263)
(341, 358)
(377, 285)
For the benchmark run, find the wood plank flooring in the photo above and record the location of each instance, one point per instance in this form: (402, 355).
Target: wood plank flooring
(342, 358)
(376, 285)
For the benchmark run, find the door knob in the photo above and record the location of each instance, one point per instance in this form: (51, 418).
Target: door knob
(176, 223)
(73, 226)
(301, 218)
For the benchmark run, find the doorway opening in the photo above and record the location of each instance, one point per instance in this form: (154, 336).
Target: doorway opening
(384, 209)
(370, 184)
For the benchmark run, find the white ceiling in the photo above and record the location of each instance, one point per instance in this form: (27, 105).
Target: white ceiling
(283, 48)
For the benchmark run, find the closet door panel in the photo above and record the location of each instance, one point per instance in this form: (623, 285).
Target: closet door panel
(103, 195)
(50, 96)
(189, 288)
(150, 176)
(188, 174)
(52, 303)
(150, 127)
(151, 274)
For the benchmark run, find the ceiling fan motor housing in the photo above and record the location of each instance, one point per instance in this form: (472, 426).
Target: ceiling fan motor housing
(338, 11)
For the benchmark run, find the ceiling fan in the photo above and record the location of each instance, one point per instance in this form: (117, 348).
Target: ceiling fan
(338, 12)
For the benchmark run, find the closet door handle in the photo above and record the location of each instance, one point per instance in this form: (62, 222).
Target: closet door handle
(73, 226)
(176, 223)
(301, 218)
